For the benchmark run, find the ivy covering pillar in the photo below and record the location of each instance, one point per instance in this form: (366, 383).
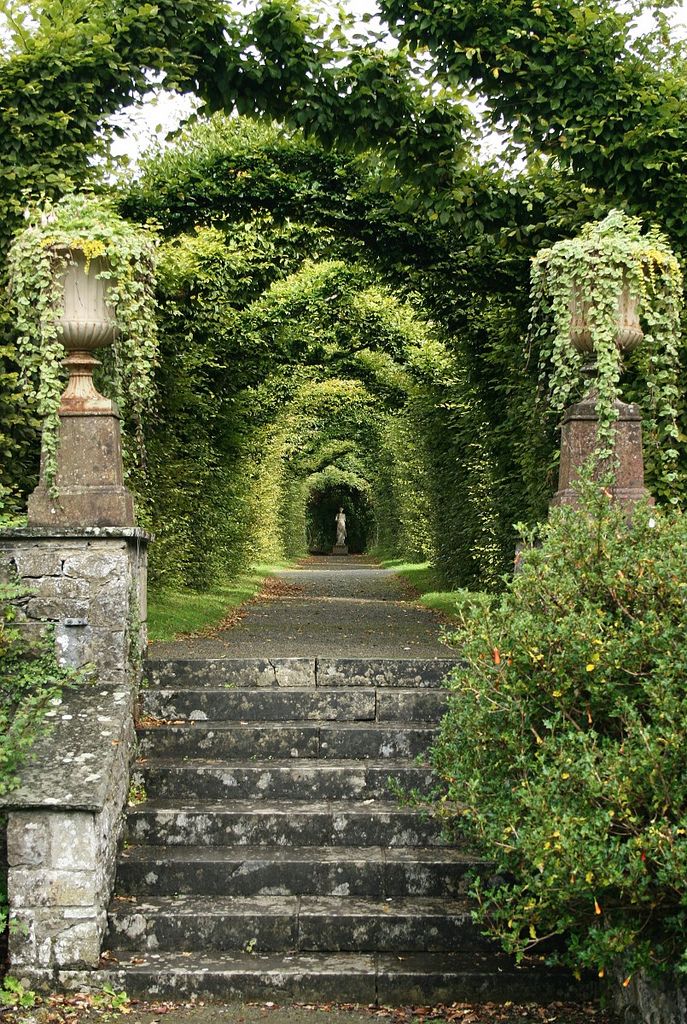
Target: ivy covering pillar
(81, 280)
(605, 301)
(88, 485)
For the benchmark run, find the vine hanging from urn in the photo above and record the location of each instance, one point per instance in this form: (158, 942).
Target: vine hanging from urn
(589, 296)
(116, 251)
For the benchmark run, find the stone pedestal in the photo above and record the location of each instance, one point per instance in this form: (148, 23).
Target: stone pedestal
(89, 483)
(340, 549)
(578, 443)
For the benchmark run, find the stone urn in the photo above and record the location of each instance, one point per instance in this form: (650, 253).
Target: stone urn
(87, 322)
(88, 489)
(629, 333)
(579, 426)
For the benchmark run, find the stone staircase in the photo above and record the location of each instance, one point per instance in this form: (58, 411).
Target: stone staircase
(269, 859)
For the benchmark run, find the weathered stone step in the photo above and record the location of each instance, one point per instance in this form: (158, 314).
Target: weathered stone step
(308, 871)
(379, 978)
(229, 740)
(406, 673)
(281, 823)
(254, 704)
(299, 923)
(370, 740)
(277, 740)
(282, 705)
(299, 779)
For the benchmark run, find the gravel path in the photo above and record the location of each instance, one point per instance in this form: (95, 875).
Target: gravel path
(328, 607)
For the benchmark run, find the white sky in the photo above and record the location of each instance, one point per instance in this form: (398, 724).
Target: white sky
(163, 112)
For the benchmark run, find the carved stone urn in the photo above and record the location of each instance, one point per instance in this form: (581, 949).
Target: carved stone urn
(87, 324)
(629, 333)
(88, 489)
(579, 425)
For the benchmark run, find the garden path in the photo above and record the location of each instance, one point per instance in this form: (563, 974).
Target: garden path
(328, 607)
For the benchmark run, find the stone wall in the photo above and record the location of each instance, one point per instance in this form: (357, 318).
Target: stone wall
(645, 1001)
(62, 853)
(3, 877)
(65, 819)
(90, 585)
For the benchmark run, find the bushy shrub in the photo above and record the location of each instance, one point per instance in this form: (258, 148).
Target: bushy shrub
(563, 752)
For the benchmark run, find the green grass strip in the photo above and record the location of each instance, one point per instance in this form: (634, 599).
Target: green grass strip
(172, 613)
(431, 587)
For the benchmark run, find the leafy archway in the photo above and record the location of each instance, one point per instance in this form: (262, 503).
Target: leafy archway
(299, 270)
(279, 373)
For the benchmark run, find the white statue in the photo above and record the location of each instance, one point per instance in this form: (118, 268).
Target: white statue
(340, 521)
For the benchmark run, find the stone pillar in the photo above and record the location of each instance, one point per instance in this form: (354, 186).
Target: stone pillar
(65, 818)
(578, 442)
(62, 857)
(82, 564)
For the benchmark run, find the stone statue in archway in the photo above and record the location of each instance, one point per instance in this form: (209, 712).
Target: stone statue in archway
(340, 521)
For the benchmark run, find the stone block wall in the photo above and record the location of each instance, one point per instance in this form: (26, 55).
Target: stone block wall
(65, 819)
(90, 585)
(648, 1001)
(61, 874)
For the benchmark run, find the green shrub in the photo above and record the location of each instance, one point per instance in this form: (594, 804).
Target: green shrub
(563, 749)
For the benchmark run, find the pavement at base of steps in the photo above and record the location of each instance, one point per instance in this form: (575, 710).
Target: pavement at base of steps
(327, 607)
(269, 1013)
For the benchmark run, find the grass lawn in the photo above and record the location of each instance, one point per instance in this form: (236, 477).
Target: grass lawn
(422, 576)
(432, 589)
(175, 612)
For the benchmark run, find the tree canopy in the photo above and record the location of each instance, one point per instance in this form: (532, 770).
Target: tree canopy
(373, 167)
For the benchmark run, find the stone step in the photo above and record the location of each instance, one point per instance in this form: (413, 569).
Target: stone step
(219, 672)
(270, 860)
(299, 779)
(277, 740)
(263, 924)
(406, 673)
(286, 871)
(369, 978)
(281, 823)
(303, 704)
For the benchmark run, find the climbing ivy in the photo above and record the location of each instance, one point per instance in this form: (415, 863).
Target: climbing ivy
(37, 260)
(589, 273)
